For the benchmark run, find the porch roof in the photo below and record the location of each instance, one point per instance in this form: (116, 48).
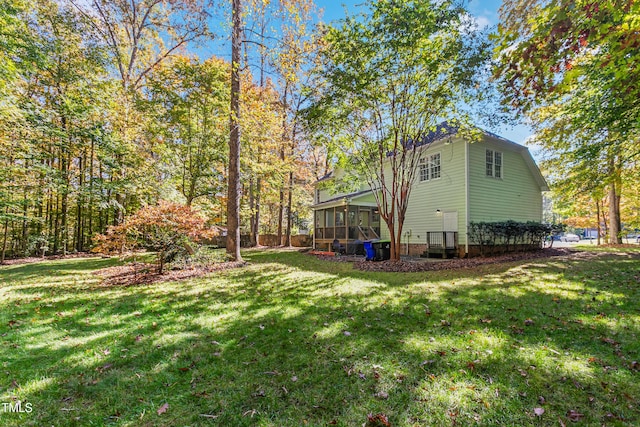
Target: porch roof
(346, 199)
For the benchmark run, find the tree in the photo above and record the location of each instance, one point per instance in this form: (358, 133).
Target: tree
(167, 228)
(189, 101)
(139, 36)
(572, 67)
(234, 190)
(391, 76)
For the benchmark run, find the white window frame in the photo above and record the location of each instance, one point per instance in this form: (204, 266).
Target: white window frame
(494, 162)
(427, 165)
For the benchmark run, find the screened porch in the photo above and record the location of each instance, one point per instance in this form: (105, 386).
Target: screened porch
(349, 224)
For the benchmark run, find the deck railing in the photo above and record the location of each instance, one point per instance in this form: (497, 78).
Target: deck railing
(442, 243)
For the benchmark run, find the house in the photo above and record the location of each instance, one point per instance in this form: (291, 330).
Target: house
(458, 182)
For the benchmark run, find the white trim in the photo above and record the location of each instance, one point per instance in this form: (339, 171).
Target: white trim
(466, 195)
(493, 163)
(427, 156)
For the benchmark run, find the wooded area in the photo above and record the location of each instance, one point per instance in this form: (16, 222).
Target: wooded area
(105, 107)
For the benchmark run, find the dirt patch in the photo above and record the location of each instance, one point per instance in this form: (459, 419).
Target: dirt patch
(143, 274)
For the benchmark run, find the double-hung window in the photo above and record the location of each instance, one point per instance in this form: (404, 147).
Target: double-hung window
(494, 163)
(430, 167)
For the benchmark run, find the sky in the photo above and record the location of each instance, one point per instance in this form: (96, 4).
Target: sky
(486, 14)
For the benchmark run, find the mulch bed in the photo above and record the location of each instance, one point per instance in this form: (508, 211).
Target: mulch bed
(143, 274)
(416, 265)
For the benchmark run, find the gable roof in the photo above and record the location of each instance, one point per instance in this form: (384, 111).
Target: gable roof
(446, 129)
(343, 199)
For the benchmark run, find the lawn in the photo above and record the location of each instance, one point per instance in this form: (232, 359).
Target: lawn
(291, 341)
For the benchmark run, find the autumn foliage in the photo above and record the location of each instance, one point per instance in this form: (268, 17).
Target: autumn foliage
(167, 228)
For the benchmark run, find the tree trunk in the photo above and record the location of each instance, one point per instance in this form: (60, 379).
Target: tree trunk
(256, 231)
(281, 204)
(615, 225)
(4, 237)
(64, 206)
(598, 221)
(25, 223)
(287, 237)
(252, 218)
(90, 215)
(234, 190)
(79, 246)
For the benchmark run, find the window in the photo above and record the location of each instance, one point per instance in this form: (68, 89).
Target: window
(435, 166)
(494, 164)
(430, 167)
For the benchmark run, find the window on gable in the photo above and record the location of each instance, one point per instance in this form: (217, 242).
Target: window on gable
(434, 161)
(497, 165)
(494, 164)
(430, 167)
(424, 169)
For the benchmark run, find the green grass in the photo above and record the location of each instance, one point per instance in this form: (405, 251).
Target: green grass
(292, 341)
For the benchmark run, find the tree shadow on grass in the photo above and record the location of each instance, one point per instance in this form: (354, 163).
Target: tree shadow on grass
(288, 342)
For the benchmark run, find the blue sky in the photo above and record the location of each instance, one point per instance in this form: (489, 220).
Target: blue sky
(485, 12)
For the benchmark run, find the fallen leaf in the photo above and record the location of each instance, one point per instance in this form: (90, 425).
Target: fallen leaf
(104, 367)
(377, 420)
(163, 409)
(294, 379)
(209, 416)
(574, 415)
(609, 341)
(382, 395)
(538, 411)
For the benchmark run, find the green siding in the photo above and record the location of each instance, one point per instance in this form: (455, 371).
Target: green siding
(330, 193)
(446, 193)
(515, 196)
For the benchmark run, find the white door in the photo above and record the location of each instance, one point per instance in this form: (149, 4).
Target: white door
(450, 221)
(450, 225)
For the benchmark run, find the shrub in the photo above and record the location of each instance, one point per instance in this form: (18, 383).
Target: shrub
(510, 235)
(167, 228)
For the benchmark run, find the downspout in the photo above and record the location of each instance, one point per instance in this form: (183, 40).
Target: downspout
(466, 195)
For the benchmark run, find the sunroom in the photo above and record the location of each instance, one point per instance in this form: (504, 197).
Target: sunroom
(350, 219)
